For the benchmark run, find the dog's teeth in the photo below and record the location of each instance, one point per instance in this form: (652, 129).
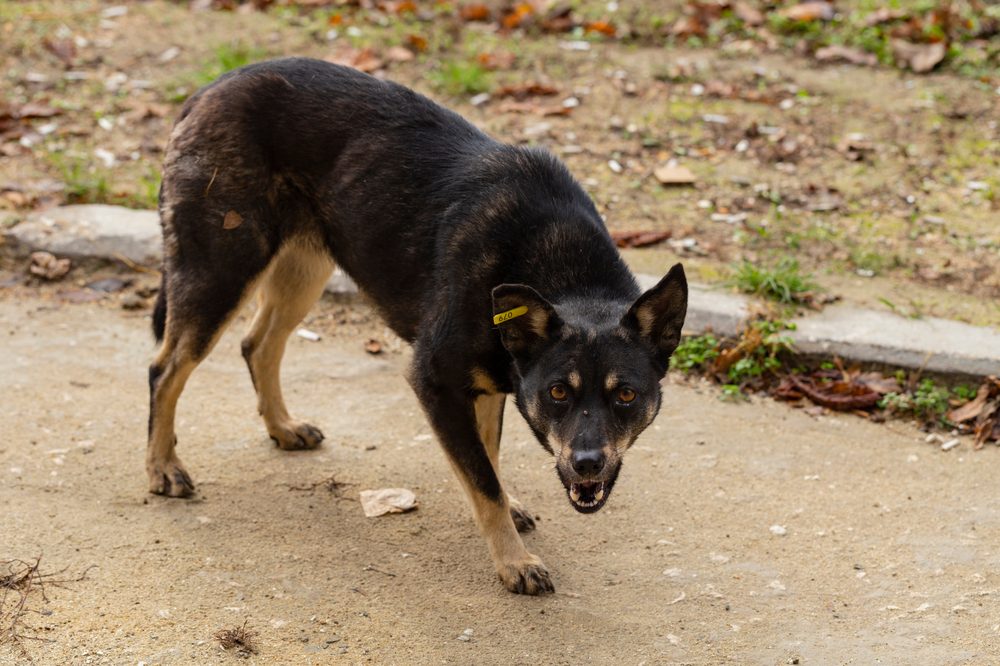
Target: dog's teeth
(574, 494)
(599, 495)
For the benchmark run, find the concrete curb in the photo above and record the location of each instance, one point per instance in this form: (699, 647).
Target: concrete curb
(938, 345)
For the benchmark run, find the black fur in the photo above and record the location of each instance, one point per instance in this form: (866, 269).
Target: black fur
(428, 215)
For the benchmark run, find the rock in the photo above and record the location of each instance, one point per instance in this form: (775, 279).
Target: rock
(778, 530)
(93, 231)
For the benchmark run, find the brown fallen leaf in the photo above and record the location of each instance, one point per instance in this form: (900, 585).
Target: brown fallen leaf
(496, 60)
(673, 174)
(639, 238)
(517, 16)
(603, 27)
(919, 57)
(399, 54)
(417, 42)
(46, 266)
(884, 15)
(523, 91)
(748, 13)
(474, 12)
(64, 49)
(232, 220)
(809, 11)
(373, 346)
(36, 110)
(364, 60)
(839, 53)
(512, 106)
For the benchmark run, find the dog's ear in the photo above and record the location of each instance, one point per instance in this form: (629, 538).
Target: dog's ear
(658, 315)
(524, 318)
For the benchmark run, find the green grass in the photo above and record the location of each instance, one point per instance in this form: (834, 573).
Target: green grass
(225, 58)
(84, 182)
(461, 78)
(784, 282)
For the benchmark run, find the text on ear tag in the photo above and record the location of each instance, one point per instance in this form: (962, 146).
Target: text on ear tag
(510, 314)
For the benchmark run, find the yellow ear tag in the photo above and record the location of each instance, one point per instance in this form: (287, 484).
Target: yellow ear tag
(510, 314)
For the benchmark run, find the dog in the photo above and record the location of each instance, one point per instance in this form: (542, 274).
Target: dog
(488, 258)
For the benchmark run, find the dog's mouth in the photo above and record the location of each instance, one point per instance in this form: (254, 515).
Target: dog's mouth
(589, 496)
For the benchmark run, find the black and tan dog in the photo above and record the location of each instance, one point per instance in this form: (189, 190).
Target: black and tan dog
(490, 259)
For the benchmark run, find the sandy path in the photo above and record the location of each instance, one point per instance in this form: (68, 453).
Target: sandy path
(890, 554)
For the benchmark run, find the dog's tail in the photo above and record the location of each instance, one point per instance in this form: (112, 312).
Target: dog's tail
(160, 310)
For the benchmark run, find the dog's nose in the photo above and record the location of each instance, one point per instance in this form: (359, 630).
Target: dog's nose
(589, 462)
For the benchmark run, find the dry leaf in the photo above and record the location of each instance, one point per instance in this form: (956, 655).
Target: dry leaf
(399, 54)
(64, 49)
(809, 11)
(496, 60)
(525, 90)
(919, 57)
(232, 220)
(387, 500)
(46, 266)
(672, 174)
(475, 12)
(417, 43)
(603, 27)
(748, 13)
(639, 238)
(838, 53)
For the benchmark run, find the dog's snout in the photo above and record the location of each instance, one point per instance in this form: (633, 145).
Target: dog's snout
(588, 463)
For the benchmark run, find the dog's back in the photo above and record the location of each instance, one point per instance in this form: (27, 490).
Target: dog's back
(369, 169)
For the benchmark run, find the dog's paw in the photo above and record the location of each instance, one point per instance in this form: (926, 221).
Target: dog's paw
(528, 576)
(523, 520)
(295, 436)
(169, 478)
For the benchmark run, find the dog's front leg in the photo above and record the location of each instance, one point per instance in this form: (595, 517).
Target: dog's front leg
(452, 415)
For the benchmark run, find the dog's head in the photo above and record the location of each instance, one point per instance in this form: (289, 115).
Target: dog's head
(590, 374)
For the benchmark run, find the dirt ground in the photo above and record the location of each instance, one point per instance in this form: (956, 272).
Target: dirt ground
(881, 183)
(888, 556)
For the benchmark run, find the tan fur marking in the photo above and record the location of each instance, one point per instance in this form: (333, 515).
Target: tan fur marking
(291, 285)
(510, 558)
(575, 380)
(489, 416)
(177, 359)
(482, 381)
(610, 382)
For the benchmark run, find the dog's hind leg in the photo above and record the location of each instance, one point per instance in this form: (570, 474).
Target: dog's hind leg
(198, 308)
(489, 421)
(290, 286)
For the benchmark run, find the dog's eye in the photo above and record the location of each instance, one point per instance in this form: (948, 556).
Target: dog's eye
(626, 395)
(558, 392)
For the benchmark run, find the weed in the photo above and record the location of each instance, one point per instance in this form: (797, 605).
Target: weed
(241, 639)
(226, 57)
(763, 342)
(784, 282)
(695, 353)
(928, 402)
(84, 183)
(732, 392)
(462, 78)
(964, 392)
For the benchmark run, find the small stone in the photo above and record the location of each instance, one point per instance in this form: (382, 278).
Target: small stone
(615, 166)
(949, 445)
(778, 530)
(132, 302)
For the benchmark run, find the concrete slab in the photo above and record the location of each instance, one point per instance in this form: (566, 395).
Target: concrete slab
(938, 345)
(93, 231)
